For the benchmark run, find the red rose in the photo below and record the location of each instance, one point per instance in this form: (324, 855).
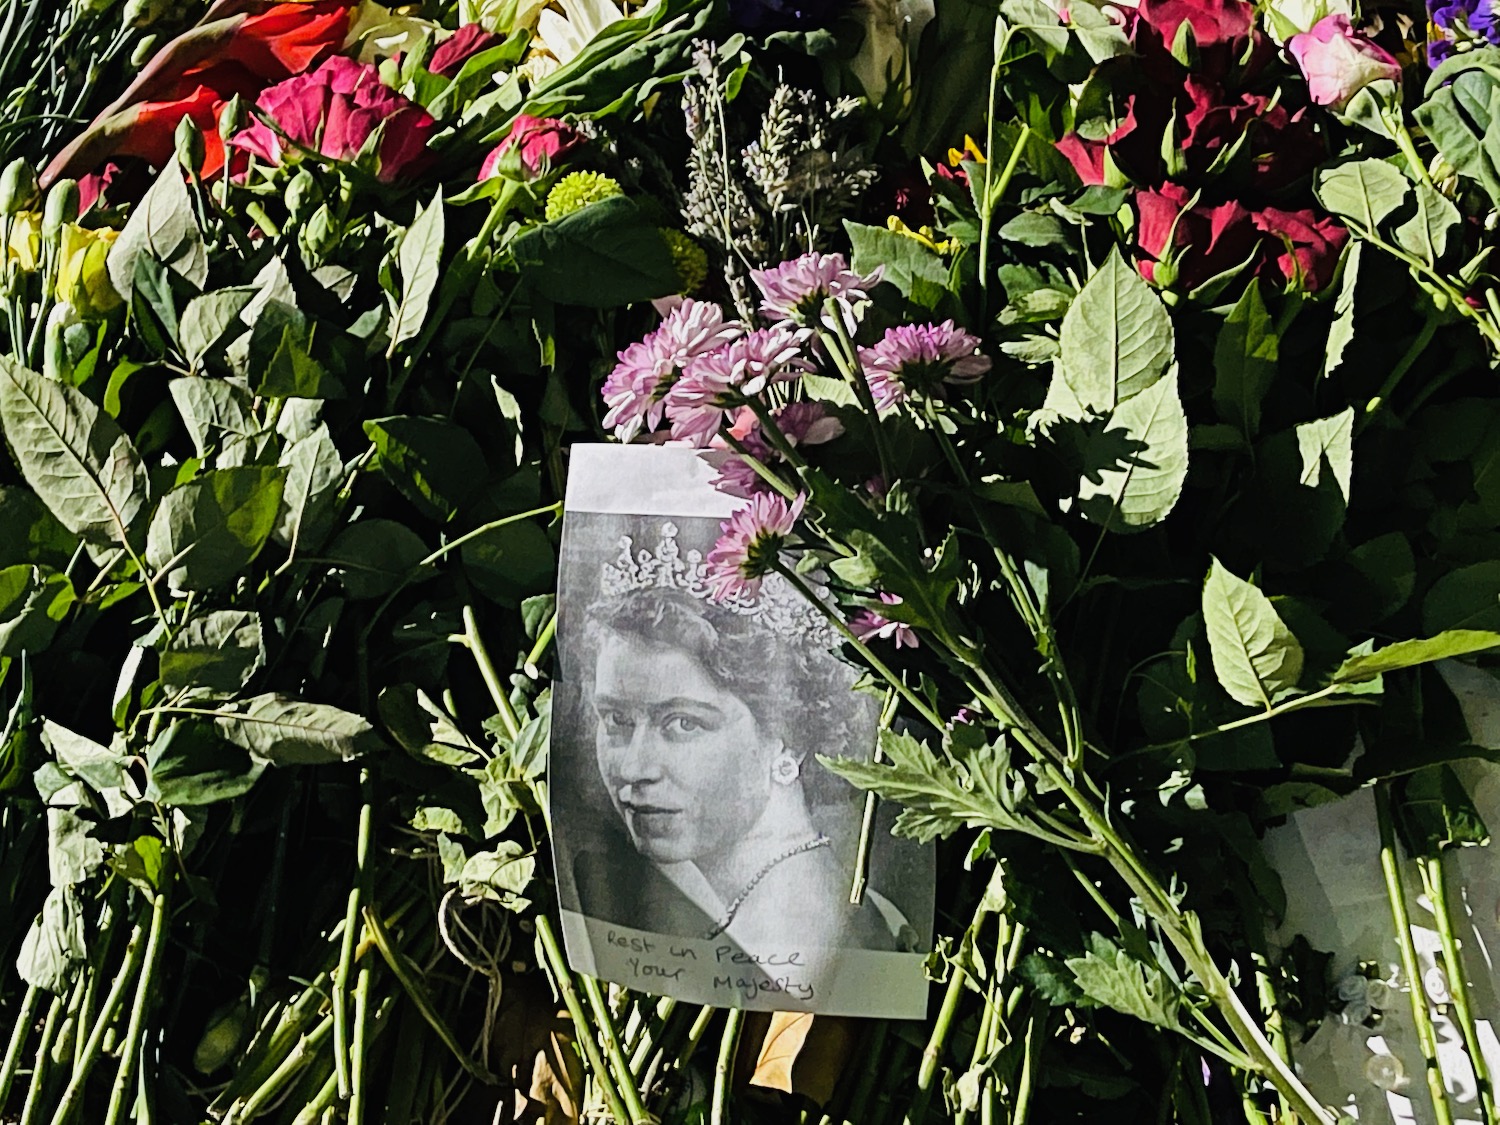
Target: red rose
(1194, 244)
(1087, 157)
(1301, 248)
(459, 48)
(1213, 21)
(333, 111)
(540, 142)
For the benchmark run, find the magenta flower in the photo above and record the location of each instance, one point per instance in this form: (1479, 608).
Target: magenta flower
(337, 111)
(868, 625)
(751, 545)
(1338, 62)
(715, 382)
(801, 423)
(920, 357)
(807, 423)
(647, 369)
(459, 48)
(540, 144)
(794, 292)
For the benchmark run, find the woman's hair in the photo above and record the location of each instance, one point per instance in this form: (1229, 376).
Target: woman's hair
(797, 691)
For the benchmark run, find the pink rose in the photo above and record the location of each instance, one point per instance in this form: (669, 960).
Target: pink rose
(459, 48)
(333, 111)
(538, 141)
(1338, 62)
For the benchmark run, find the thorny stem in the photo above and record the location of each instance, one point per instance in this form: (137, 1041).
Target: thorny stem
(734, 1021)
(1395, 892)
(552, 957)
(1435, 884)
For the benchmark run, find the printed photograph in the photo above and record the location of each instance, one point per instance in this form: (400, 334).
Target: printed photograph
(687, 797)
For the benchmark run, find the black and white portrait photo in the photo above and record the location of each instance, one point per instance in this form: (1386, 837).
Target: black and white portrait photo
(702, 850)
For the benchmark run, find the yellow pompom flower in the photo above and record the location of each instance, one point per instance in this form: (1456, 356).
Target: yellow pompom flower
(82, 279)
(577, 190)
(689, 258)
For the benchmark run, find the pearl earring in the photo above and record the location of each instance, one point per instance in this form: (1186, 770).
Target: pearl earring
(785, 768)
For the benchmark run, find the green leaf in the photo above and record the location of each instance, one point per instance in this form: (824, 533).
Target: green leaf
(1408, 654)
(1245, 362)
(73, 854)
(1427, 233)
(510, 563)
(607, 254)
(314, 475)
(420, 258)
(209, 319)
(437, 465)
(286, 731)
(976, 788)
(219, 651)
(207, 531)
(374, 557)
(1129, 986)
(1138, 461)
(1460, 118)
(1116, 338)
(211, 408)
(1341, 331)
(32, 533)
(162, 227)
(76, 457)
(1366, 192)
(188, 764)
(102, 767)
(281, 358)
(1466, 598)
(33, 602)
(1330, 442)
(902, 260)
(1435, 812)
(1254, 654)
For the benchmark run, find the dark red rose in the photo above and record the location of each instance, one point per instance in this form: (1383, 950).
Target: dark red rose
(1213, 21)
(459, 48)
(1087, 157)
(1195, 244)
(1301, 248)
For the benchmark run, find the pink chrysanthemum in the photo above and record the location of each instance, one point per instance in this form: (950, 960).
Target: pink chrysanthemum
(868, 625)
(715, 382)
(801, 423)
(795, 292)
(647, 369)
(920, 356)
(751, 544)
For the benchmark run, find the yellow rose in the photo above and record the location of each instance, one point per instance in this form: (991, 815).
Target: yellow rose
(23, 244)
(82, 279)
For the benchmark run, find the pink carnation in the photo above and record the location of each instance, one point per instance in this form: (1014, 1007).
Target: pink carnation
(920, 356)
(334, 111)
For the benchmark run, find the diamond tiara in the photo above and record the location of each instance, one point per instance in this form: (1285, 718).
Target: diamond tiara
(779, 606)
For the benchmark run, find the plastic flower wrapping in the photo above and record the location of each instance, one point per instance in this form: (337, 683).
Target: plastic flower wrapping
(1109, 387)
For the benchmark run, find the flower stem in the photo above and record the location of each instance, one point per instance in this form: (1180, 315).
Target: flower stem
(1390, 865)
(734, 1021)
(615, 1054)
(144, 997)
(1435, 884)
(557, 965)
(18, 1033)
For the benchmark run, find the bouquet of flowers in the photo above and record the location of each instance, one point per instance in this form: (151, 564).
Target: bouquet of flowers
(1122, 376)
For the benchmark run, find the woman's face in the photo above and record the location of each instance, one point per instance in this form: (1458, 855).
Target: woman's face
(685, 762)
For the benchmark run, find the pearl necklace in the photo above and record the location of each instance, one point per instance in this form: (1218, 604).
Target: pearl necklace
(818, 841)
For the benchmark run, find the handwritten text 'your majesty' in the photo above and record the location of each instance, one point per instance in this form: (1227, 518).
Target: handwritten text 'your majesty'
(727, 957)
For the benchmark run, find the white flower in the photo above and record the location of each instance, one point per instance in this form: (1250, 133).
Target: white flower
(1285, 18)
(565, 35)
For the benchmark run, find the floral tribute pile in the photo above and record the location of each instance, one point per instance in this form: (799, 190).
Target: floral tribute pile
(1127, 370)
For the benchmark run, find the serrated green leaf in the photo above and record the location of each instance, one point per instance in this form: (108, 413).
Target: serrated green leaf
(420, 258)
(1255, 656)
(207, 531)
(605, 255)
(1245, 358)
(76, 457)
(902, 261)
(1408, 654)
(286, 731)
(1116, 338)
(1138, 461)
(211, 408)
(1130, 986)
(34, 601)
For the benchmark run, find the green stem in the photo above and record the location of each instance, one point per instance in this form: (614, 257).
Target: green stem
(475, 644)
(286, 1070)
(144, 997)
(1026, 1083)
(605, 1024)
(846, 357)
(42, 1060)
(1395, 892)
(557, 965)
(345, 971)
(484, 528)
(1403, 365)
(538, 650)
(18, 1033)
(1435, 884)
(359, 1076)
(734, 1021)
(129, 966)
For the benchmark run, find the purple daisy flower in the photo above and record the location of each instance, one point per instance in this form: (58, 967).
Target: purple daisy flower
(920, 356)
(751, 544)
(794, 292)
(637, 387)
